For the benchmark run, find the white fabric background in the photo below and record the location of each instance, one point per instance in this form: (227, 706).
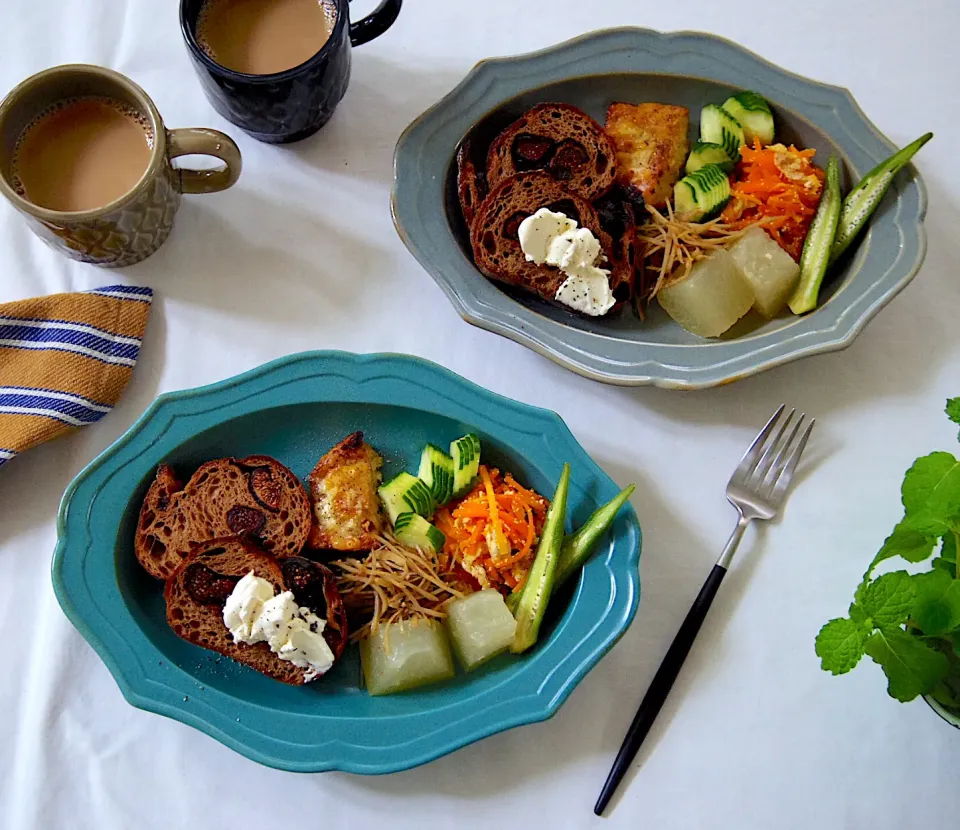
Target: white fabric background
(302, 254)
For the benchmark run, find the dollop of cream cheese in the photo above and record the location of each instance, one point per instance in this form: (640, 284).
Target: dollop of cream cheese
(550, 238)
(243, 606)
(254, 615)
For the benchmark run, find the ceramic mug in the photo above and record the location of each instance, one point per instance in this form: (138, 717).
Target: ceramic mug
(133, 226)
(285, 106)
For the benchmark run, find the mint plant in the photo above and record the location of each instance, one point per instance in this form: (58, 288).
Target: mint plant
(909, 624)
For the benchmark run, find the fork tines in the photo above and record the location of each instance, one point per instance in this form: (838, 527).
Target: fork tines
(768, 466)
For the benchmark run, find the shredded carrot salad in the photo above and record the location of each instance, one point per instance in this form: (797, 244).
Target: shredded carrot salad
(492, 532)
(779, 185)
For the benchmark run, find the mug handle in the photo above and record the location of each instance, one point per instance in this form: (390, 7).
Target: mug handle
(186, 141)
(375, 23)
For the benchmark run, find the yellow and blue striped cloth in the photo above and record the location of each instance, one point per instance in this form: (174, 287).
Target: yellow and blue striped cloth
(64, 361)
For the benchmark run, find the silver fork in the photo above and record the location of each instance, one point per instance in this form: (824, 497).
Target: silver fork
(757, 488)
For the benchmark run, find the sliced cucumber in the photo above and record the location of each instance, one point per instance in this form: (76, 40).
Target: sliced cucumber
(704, 153)
(862, 201)
(717, 126)
(702, 194)
(417, 532)
(405, 494)
(753, 113)
(466, 462)
(436, 471)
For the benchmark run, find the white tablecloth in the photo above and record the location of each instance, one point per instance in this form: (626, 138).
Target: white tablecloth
(301, 254)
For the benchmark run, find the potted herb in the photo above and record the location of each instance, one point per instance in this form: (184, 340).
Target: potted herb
(909, 623)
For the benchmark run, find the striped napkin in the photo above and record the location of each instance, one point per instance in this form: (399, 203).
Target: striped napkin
(64, 360)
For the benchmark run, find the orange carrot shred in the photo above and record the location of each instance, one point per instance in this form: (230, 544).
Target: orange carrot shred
(779, 185)
(499, 510)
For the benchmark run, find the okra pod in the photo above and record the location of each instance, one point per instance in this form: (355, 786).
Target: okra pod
(542, 577)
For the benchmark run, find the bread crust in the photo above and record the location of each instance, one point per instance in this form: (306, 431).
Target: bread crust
(471, 185)
(202, 624)
(496, 246)
(255, 497)
(228, 560)
(559, 140)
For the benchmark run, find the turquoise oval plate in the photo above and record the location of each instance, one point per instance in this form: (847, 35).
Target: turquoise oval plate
(295, 409)
(686, 68)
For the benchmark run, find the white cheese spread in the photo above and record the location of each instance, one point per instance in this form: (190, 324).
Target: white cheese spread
(549, 238)
(254, 615)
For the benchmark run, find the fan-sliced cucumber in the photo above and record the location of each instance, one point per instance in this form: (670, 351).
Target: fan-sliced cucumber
(417, 532)
(702, 194)
(436, 471)
(405, 493)
(862, 201)
(819, 243)
(717, 126)
(753, 113)
(466, 462)
(704, 153)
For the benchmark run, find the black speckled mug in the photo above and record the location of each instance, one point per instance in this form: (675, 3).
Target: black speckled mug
(293, 104)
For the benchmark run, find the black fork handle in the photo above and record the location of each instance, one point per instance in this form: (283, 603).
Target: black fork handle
(660, 687)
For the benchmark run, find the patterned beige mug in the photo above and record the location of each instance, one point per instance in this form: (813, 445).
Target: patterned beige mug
(132, 226)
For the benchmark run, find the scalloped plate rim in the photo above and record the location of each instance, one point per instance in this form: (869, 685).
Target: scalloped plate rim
(135, 683)
(499, 316)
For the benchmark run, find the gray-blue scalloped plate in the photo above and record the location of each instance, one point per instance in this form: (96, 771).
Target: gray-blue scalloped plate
(687, 68)
(295, 409)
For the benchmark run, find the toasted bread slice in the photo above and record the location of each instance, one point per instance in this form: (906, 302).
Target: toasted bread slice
(471, 185)
(343, 492)
(560, 140)
(197, 591)
(496, 246)
(651, 147)
(255, 497)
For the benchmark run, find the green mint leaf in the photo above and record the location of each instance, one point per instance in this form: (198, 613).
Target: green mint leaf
(945, 565)
(858, 615)
(888, 599)
(953, 410)
(937, 607)
(931, 494)
(955, 639)
(908, 542)
(923, 478)
(948, 548)
(911, 666)
(931, 525)
(840, 644)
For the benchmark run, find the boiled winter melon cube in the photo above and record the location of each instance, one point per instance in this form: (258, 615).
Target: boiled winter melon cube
(711, 298)
(768, 268)
(404, 655)
(481, 627)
